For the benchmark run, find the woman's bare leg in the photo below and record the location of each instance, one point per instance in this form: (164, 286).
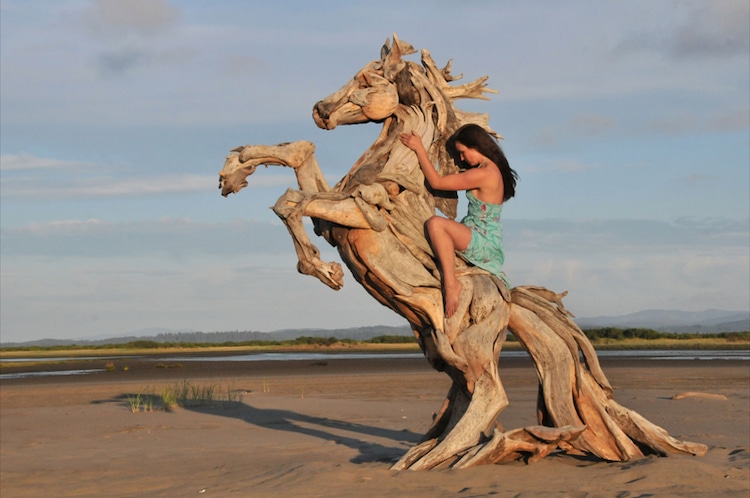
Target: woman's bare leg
(447, 236)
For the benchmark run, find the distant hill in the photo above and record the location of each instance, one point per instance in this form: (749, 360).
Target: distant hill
(698, 322)
(683, 322)
(357, 334)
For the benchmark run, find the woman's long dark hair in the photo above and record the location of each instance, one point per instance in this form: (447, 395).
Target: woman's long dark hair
(474, 136)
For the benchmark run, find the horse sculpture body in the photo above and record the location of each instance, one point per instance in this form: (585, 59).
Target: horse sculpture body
(375, 218)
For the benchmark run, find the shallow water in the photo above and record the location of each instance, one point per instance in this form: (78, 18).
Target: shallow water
(26, 375)
(676, 354)
(63, 358)
(656, 355)
(298, 356)
(666, 354)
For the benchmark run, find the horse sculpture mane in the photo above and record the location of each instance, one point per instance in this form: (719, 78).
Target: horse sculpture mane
(375, 218)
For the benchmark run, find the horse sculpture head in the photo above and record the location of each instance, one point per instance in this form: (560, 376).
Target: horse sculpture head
(373, 93)
(405, 96)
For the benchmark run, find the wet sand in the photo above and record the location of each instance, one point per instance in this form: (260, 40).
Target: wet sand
(332, 428)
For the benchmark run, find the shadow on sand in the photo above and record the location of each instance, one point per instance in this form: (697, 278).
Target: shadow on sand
(324, 428)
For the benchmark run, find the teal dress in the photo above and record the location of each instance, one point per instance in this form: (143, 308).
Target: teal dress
(486, 245)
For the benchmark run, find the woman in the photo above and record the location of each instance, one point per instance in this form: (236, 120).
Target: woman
(489, 181)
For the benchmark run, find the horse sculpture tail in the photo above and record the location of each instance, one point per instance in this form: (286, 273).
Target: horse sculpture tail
(560, 350)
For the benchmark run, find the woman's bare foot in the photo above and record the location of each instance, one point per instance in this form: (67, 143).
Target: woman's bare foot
(452, 291)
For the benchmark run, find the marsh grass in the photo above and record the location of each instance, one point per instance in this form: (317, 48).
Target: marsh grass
(141, 402)
(135, 402)
(182, 394)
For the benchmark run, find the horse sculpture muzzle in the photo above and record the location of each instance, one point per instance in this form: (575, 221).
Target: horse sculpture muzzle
(233, 176)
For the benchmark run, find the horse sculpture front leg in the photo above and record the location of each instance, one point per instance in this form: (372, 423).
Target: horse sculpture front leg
(300, 156)
(314, 199)
(290, 208)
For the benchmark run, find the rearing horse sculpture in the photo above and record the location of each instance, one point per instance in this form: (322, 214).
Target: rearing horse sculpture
(375, 218)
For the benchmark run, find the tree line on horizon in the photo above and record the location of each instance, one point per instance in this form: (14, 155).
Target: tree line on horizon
(604, 334)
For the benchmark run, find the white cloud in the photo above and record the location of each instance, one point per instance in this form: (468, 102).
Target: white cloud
(94, 278)
(675, 124)
(611, 236)
(696, 29)
(115, 62)
(189, 239)
(684, 122)
(580, 125)
(25, 161)
(557, 165)
(78, 188)
(622, 266)
(614, 281)
(572, 167)
(713, 29)
(590, 124)
(119, 295)
(699, 180)
(108, 19)
(144, 186)
(729, 120)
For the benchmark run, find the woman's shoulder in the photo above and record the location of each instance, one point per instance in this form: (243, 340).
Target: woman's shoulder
(492, 184)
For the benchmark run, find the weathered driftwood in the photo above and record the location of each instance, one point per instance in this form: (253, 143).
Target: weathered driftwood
(375, 217)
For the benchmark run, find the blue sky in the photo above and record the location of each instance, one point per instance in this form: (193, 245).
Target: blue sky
(628, 122)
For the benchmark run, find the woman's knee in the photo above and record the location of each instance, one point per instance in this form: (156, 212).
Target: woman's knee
(434, 224)
(439, 228)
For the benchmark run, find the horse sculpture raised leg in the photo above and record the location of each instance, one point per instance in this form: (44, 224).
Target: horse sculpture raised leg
(375, 218)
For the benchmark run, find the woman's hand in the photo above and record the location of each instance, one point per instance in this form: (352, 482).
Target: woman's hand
(412, 141)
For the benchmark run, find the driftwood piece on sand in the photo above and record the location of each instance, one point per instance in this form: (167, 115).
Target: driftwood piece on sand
(375, 218)
(692, 394)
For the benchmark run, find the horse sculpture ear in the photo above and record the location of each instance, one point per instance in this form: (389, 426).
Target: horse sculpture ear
(391, 57)
(406, 48)
(385, 49)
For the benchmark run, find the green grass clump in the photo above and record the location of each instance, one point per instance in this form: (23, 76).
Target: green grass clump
(182, 394)
(141, 402)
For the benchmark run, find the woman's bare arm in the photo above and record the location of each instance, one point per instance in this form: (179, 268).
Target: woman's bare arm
(475, 178)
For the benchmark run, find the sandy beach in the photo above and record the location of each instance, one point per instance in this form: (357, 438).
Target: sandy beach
(332, 429)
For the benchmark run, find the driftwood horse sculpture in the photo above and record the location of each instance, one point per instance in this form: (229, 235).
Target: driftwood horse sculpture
(375, 217)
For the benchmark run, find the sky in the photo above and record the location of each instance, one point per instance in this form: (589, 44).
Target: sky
(627, 122)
